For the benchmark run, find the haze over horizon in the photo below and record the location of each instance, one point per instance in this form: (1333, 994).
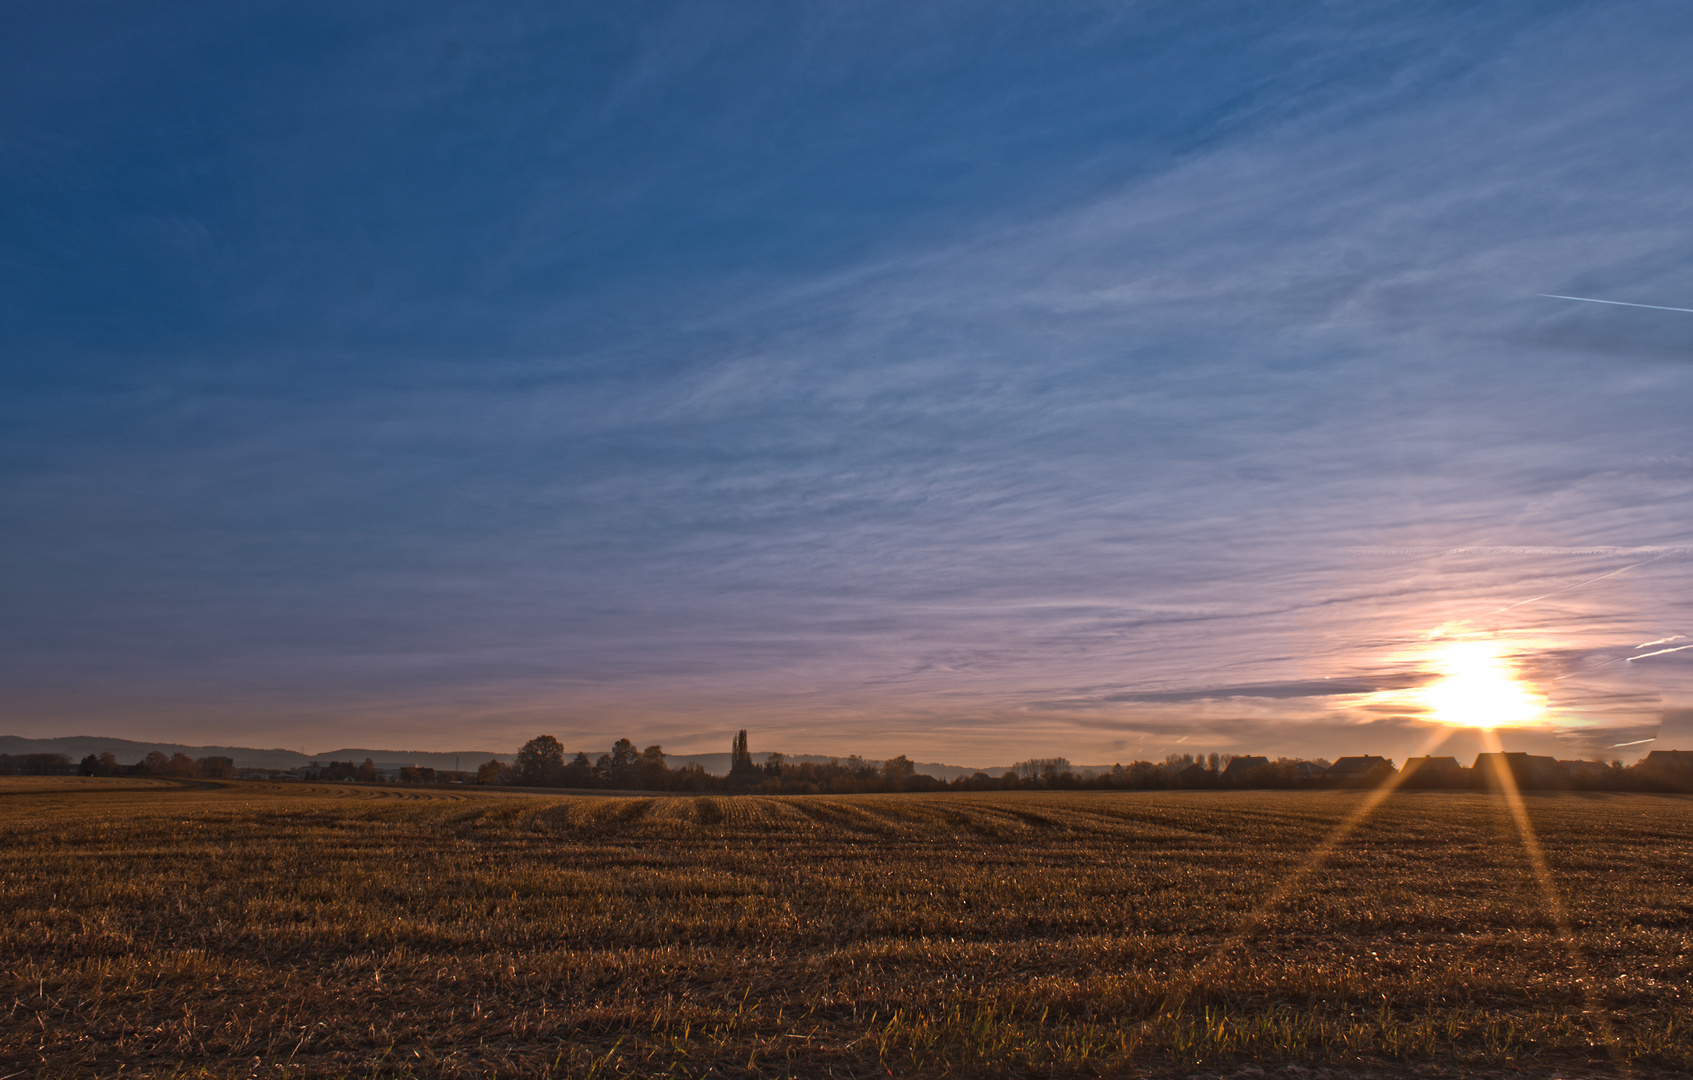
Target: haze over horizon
(967, 381)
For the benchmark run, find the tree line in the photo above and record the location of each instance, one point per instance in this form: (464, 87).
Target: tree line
(543, 762)
(177, 766)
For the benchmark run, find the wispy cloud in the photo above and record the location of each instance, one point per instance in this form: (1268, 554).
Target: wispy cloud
(903, 380)
(1308, 688)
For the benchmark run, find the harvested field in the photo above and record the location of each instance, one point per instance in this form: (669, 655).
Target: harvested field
(250, 929)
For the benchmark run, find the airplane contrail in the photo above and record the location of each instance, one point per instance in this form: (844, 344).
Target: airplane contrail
(1618, 303)
(1578, 585)
(1660, 652)
(1627, 659)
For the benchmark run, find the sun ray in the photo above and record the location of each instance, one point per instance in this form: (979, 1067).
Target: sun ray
(1555, 910)
(1179, 993)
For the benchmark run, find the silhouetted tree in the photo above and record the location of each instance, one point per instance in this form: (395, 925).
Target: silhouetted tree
(619, 765)
(741, 768)
(580, 771)
(623, 754)
(652, 771)
(897, 772)
(34, 764)
(337, 770)
(1041, 769)
(541, 761)
(492, 771)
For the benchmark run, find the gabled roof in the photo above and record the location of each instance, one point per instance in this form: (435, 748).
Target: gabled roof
(1527, 770)
(1357, 765)
(1518, 759)
(1669, 757)
(1438, 764)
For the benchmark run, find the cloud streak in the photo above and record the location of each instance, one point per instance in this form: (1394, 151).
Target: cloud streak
(1309, 688)
(895, 382)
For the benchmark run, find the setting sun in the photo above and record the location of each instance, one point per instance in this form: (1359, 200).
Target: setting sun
(1479, 688)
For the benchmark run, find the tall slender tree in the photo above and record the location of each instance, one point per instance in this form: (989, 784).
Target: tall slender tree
(741, 768)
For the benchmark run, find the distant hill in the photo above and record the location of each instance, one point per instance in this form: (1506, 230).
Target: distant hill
(128, 752)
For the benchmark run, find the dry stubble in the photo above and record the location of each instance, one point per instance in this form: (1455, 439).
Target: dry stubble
(345, 930)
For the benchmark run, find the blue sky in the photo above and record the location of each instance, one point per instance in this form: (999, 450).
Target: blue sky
(971, 381)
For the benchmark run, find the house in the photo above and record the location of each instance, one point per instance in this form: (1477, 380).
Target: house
(1360, 768)
(1672, 759)
(1527, 770)
(1194, 776)
(1433, 772)
(1237, 768)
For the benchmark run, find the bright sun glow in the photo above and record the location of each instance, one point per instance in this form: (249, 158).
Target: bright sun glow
(1479, 689)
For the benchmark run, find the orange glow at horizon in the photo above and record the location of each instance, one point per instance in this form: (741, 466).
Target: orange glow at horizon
(1479, 688)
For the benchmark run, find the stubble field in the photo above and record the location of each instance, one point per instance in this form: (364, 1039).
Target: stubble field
(250, 929)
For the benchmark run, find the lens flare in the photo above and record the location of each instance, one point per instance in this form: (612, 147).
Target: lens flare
(1479, 688)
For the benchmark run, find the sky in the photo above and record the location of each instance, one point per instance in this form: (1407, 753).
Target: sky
(971, 381)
